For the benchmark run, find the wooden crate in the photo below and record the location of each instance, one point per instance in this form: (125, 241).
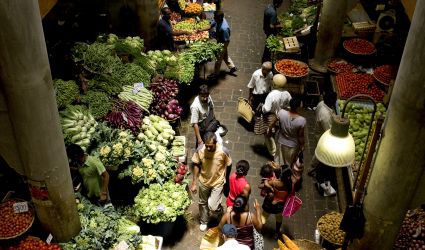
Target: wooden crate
(291, 44)
(364, 26)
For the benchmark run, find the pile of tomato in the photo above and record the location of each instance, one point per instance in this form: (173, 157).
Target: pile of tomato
(11, 223)
(32, 243)
(339, 65)
(350, 84)
(291, 68)
(385, 73)
(359, 46)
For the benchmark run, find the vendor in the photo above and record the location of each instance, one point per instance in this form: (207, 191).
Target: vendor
(166, 32)
(93, 172)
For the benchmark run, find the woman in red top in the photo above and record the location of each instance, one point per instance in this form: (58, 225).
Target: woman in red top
(238, 183)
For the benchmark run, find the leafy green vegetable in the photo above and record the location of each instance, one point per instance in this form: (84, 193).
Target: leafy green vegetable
(130, 73)
(297, 6)
(99, 58)
(274, 43)
(98, 102)
(106, 84)
(160, 203)
(203, 51)
(66, 92)
(297, 22)
(184, 70)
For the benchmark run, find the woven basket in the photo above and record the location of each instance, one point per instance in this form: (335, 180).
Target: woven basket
(245, 110)
(307, 244)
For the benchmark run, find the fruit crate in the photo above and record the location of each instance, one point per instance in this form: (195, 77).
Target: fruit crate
(291, 44)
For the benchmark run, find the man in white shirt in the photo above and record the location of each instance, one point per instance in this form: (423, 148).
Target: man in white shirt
(229, 232)
(276, 100)
(260, 84)
(202, 113)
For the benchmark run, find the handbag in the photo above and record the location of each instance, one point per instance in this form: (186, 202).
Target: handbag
(262, 123)
(292, 204)
(245, 110)
(258, 240)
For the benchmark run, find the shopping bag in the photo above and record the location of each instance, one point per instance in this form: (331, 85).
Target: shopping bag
(260, 126)
(245, 110)
(292, 204)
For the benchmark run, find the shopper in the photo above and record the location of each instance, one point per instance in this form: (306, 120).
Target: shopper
(271, 25)
(230, 232)
(165, 31)
(244, 220)
(276, 100)
(93, 172)
(278, 190)
(238, 183)
(260, 85)
(202, 113)
(291, 133)
(223, 36)
(209, 163)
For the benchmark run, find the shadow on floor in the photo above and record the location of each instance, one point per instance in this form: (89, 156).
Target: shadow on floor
(260, 149)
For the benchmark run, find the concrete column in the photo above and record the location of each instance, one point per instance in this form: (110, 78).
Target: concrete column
(330, 30)
(400, 160)
(27, 86)
(148, 13)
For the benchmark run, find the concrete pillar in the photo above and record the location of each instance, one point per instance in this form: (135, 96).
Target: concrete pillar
(400, 160)
(27, 86)
(330, 30)
(148, 13)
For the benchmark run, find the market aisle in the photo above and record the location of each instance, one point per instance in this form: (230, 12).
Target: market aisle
(247, 43)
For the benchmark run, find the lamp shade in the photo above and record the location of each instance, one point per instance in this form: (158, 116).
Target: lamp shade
(335, 151)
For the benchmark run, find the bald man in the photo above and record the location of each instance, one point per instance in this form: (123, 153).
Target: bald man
(260, 85)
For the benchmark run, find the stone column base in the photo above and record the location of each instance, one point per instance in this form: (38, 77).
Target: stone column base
(316, 66)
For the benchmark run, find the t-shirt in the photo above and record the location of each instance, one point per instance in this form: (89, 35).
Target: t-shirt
(237, 186)
(199, 111)
(212, 165)
(232, 244)
(259, 83)
(91, 173)
(270, 17)
(289, 127)
(223, 32)
(323, 117)
(165, 35)
(276, 100)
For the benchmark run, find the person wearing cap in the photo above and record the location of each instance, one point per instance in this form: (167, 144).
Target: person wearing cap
(229, 232)
(238, 183)
(260, 84)
(276, 100)
(291, 133)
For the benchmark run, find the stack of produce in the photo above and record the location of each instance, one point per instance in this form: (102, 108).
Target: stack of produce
(114, 146)
(137, 94)
(170, 111)
(182, 4)
(161, 203)
(11, 223)
(359, 46)
(178, 146)
(274, 43)
(193, 9)
(184, 70)
(78, 126)
(98, 103)
(412, 231)
(175, 17)
(338, 65)
(291, 68)
(125, 115)
(196, 36)
(164, 89)
(182, 171)
(350, 84)
(157, 128)
(185, 25)
(360, 116)
(66, 92)
(203, 51)
(328, 226)
(160, 59)
(385, 73)
(209, 6)
(287, 244)
(31, 243)
(102, 228)
(297, 17)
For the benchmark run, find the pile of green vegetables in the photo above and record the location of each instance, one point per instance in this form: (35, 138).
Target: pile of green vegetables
(298, 16)
(78, 125)
(66, 92)
(204, 51)
(137, 94)
(102, 228)
(274, 43)
(184, 70)
(98, 102)
(161, 203)
(160, 59)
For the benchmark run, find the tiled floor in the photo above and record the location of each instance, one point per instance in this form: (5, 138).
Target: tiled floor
(246, 47)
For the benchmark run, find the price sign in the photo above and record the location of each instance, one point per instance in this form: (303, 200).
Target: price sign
(49, 239)
(121, 246)
(20, 207)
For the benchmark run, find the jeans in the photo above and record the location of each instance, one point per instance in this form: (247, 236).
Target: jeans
(209, 201)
